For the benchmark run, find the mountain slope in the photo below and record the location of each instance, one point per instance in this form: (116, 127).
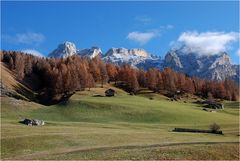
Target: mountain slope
(90, 53)
(213, 67)
(98, 127)
(64, 50)
(11, 87)
(133, 57)
(67, 49)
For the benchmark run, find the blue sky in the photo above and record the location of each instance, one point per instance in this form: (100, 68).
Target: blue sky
(154, 26)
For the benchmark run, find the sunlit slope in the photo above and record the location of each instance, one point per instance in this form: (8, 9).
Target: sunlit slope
(10, 83)
(120, 127)
(85, 107)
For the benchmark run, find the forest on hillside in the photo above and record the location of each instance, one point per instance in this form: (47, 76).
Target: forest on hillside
(56, 78)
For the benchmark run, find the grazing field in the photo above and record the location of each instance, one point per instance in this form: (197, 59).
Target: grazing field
(120, 127)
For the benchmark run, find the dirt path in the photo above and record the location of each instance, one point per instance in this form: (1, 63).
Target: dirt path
(38, 155)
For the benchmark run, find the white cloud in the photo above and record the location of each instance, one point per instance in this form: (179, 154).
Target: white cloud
(169, 27)
(166, 27)
(208, 43)
(238, 52)
(25, 38)
(144, 19)
(33, 52)
(141, 37)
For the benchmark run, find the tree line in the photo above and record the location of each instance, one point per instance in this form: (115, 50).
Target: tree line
(60, 77)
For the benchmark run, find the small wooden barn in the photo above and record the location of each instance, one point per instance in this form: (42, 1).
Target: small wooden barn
(213, 105)
(110, 92)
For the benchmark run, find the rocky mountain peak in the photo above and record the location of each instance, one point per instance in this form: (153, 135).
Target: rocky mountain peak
(67, 49)
(216, 66)
(91, 53)
(64, 50)
(126, 56)
(127, 52)
(173, 60)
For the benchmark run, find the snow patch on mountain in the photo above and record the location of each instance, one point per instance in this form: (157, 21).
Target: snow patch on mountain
(64, 50)
(90, 53)
(133, 57)
(215, 66)
(67, 49)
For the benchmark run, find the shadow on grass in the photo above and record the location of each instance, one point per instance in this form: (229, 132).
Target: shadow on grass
(43, 98)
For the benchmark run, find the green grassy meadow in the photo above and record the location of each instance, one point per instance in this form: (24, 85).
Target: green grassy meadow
(120, 127)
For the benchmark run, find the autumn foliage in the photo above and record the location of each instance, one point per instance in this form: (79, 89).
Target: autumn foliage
(60, 77)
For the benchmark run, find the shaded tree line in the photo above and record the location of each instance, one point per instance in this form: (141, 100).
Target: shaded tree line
(61, 77)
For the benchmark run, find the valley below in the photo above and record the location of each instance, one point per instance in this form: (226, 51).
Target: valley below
(120, 127)
(120, 80)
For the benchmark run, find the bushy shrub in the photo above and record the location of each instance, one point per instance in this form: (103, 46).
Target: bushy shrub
(214, 127)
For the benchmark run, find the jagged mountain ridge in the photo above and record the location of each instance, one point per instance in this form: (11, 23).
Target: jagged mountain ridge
(67, 49)
(214, 67)
(64, 50)
(91, 53)
(134, 57)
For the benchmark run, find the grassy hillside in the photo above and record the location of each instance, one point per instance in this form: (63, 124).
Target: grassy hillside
(120, 127)
(18, 89)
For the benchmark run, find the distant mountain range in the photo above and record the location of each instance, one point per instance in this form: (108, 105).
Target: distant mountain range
(213, 67)
(67, 49)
